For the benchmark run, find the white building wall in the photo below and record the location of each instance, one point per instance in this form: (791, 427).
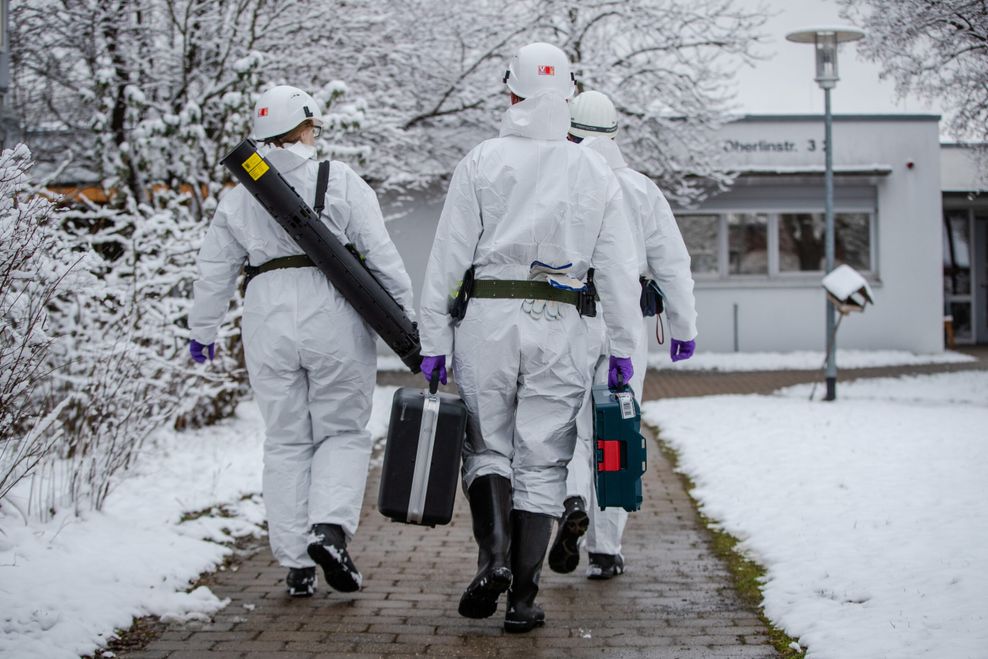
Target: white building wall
(961, 170)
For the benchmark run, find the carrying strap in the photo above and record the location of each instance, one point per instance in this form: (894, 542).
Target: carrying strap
(523, 289)
(322, 182)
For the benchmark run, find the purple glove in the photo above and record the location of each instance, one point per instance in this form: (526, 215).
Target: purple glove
(430, 364)
(620, 365)
(195, 349)
(680, 350)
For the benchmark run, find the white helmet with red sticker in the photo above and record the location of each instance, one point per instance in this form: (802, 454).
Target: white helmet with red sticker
(282, 108)
(540, 67)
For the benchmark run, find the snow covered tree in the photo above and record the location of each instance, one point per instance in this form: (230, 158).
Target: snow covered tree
(432, 85)
(935, 49)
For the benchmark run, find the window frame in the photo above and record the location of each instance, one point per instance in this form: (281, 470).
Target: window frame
(775, 275)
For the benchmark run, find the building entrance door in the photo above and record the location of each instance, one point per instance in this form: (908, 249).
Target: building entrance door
(981, 278)
(958, 273)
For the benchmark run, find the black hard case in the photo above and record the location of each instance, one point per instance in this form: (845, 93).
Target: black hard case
(409, 409)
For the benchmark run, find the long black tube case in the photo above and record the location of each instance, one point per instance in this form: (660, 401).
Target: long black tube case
(422, 457)
(343, 269)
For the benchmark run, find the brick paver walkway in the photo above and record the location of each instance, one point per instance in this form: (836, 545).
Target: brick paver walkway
(675, 600)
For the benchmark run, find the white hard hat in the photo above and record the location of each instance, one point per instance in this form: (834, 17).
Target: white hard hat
(281, 109)
(537, 67)
(593, 115)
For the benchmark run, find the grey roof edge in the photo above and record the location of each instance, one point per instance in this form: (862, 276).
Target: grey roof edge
(766, 118)
(840, 170)
(963, 145)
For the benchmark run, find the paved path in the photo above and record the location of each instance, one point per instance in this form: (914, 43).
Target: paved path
(675, 600)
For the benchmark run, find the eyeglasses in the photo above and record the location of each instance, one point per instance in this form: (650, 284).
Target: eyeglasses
(316, 131)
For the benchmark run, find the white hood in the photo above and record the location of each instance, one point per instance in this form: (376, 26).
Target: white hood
(608, 148)
(288, 158)
(544, 116)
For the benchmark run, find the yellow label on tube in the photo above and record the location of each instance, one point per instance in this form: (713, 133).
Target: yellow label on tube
(255, 166)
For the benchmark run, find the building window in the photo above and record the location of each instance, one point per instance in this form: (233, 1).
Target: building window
(747, 244)
(702, 236)
(801, 241)
(774, 245)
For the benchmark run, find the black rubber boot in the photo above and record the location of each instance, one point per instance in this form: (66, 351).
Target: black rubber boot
(530, 534)
(490, 507)
(328, 549)
(565, 553)
(301, 581)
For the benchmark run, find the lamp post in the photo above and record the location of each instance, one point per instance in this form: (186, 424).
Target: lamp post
(825, 40)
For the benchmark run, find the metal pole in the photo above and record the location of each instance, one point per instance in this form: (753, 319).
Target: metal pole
(736, 327)
(829, 248)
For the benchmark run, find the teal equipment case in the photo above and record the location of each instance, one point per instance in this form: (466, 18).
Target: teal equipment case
(619, 448)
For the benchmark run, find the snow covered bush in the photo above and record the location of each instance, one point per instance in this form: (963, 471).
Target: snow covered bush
(39, 266)
(84, 375)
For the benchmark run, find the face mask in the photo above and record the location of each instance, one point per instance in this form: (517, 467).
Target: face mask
(303, 150)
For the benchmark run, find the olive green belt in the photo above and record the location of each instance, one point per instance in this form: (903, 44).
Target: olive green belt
(295, 261)
(523, 290)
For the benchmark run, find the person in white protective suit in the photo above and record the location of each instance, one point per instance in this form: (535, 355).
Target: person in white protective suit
(661, 258)
(311, 359)
(527, 214)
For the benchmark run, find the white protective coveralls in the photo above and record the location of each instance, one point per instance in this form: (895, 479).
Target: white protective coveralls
(311, 359)
(662, 256)
(528, 195)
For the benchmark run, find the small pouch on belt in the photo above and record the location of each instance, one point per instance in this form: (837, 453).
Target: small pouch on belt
(651, 298)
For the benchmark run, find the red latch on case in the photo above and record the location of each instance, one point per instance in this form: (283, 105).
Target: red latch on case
(610, 455)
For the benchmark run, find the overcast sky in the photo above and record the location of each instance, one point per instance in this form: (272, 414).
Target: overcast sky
(783, 83)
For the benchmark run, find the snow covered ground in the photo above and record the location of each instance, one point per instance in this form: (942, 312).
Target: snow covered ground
(870, 514)
(67, 584)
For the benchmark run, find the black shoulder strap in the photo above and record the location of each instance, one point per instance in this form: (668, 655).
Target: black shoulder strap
(322, 181)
